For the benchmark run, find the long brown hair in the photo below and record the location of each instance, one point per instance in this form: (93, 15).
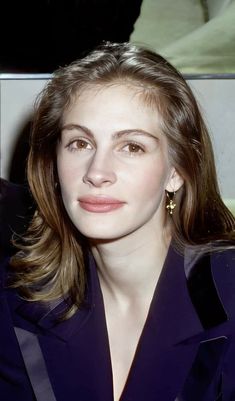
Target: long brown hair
(51, 263)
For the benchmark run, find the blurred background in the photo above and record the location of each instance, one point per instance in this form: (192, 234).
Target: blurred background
(197, 36)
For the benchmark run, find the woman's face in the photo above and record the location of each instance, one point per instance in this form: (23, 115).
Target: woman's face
(113, 164)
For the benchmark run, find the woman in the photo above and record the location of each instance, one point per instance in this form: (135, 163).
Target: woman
(124, 286)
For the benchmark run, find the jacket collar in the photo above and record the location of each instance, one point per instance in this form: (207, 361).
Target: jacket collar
(202, 288)
(180, 308)
(42, 318)
(174, 317)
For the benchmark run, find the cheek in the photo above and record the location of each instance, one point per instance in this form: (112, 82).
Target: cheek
(152, 181)
(67, 173)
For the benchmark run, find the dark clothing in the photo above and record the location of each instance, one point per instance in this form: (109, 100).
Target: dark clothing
(16, 210)
(186, 351)
(46, 34)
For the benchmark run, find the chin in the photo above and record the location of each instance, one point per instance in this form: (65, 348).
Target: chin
(99, 236)
(104, 232)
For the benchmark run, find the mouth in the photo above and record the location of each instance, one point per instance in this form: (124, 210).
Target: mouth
(99, 204)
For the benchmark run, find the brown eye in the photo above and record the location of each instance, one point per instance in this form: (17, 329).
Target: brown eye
(133, 148)
(79, 144)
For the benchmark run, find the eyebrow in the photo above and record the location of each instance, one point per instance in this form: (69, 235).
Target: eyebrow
(116, 135)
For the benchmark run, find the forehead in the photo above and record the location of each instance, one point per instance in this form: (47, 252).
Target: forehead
(122, 103)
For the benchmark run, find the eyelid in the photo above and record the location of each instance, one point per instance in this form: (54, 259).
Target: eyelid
(71, 142)
(141, 147)
(142, 140)
(78, 138)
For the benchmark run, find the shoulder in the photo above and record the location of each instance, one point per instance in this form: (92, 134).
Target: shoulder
(225, 257)
(223, 271)
(215, 265)
(14, 382)
(210, 274)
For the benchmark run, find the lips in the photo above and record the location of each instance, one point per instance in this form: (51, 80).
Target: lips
(99, 204)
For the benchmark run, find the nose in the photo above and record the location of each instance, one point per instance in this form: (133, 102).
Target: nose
(100, 171)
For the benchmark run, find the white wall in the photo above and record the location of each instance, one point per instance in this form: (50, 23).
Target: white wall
(17, 98)
(217, 99)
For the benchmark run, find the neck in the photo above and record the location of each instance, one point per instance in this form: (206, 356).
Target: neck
(129, 267)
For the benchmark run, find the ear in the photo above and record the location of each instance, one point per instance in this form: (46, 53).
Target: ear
(175, 181)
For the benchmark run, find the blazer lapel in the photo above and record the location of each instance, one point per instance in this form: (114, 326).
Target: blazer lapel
(35, 365)
(44, 319)
(78, 346)
(204, 380)
(171, 339)
(211, 287)
(161, 351)
(202, 289)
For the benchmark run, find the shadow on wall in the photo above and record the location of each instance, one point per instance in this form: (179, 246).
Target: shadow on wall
(18, 161)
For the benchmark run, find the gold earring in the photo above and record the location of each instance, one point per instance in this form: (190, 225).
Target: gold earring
(170, 204)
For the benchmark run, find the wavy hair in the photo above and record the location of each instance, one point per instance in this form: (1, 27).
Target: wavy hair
(51, 262)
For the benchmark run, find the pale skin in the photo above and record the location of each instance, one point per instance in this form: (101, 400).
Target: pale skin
(112, 147)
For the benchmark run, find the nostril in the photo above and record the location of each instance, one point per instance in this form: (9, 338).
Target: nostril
(99, 178)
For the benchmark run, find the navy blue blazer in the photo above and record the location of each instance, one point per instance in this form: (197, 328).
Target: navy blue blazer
(186, 351)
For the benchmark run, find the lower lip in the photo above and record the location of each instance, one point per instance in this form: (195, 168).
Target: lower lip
(100, 207)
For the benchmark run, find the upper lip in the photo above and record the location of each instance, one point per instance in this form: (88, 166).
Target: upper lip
(100, 199)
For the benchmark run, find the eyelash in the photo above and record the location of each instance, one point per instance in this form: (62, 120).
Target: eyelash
(77, 149)
(140, 148)
(136, 147)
